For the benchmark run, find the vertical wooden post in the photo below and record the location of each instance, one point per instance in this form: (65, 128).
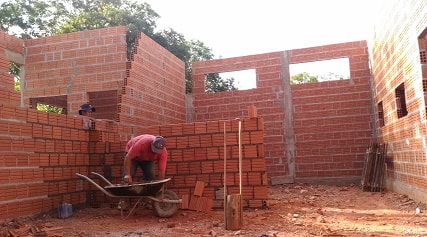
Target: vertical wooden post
(234, 212)
(233, 205)
(240, 157)
(225, 172)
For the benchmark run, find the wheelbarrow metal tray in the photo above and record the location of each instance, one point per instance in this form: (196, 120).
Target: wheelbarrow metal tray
(136, 189)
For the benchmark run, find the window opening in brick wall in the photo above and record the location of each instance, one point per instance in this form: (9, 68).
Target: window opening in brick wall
(318, 71)
(380, 114)
(401, 101)
(243, 79)
(15, 70)
(50, 108)
(229, 81)
(52, 104)
(422, 45)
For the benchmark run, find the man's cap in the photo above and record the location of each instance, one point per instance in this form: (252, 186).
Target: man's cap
(86, 107)
(158, 144)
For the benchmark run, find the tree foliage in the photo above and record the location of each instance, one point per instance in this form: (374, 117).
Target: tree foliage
(15, 70)
(96, 14)
(36, 18)
(49, 108)
(303, 77)
(214, 83)
(27, 18)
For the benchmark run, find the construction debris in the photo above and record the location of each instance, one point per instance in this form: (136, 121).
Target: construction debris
(17, 229)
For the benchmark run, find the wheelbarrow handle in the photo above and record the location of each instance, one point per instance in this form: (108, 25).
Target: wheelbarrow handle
(96, 185)
(102, 177)
(164, 200)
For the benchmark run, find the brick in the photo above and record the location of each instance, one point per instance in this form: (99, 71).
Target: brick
(193, 141)
(200, 127)
(250, 124)
(256, 137)
(207, 167)
(206, 140)
(258, 165)
(212, 126)
(198, 188)
(201, 205)
(195, 167)
(208, 206)
(185, 201)
(188, 129)
(252, 111)
(201, 154)
(181, 142)
(194, 200)
(217, 140)
(214, 153)
(177, 130)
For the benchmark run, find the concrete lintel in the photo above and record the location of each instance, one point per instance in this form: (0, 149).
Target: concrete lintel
(15, 57)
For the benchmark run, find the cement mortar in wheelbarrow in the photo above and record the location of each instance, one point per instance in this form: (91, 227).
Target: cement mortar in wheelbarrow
(165, 202)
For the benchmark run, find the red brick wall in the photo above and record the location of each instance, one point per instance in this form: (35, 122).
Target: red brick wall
(332, 120)
(8, 44)
(41, 152)
(154, 87)
(91, 66)
(196, 153)
(332, 128)
(396, 48)
(76, 64)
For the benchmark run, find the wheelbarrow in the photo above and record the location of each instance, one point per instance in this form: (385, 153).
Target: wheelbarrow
(165, 202)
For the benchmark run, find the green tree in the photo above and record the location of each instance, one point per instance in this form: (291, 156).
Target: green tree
(31, 19)
(49, 108)
(47, 17)
(96, 14)
(15, 70)
(303, 77)
(214, 83)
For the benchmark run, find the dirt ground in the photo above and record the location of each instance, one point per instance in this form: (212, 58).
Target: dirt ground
(292, 210)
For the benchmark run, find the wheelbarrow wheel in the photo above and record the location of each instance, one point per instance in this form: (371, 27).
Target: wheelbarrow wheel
(164, 209)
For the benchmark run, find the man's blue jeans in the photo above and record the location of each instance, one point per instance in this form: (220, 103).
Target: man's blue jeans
(146, 166)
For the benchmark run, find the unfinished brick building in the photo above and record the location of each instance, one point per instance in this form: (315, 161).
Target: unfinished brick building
(316, 132)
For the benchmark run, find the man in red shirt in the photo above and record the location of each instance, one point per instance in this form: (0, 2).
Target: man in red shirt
(142, 151)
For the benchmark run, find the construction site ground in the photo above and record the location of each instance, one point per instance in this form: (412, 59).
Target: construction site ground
(292, 210)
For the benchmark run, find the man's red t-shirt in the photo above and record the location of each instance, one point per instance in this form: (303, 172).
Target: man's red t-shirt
(140, 148)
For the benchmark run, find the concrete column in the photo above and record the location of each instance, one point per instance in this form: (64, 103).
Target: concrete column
(289, 135)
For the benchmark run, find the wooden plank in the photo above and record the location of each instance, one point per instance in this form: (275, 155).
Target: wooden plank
(234, 212)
